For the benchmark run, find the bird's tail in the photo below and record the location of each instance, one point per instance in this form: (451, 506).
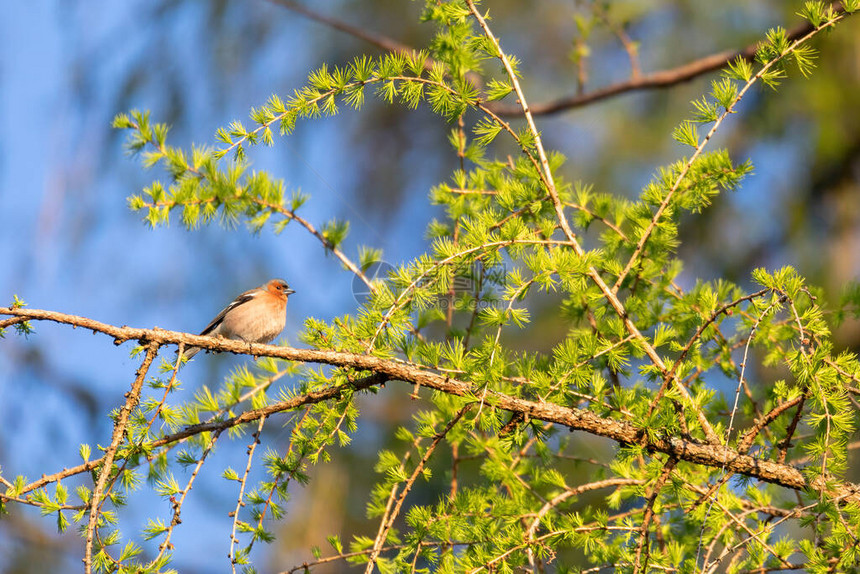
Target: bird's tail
(189, 352)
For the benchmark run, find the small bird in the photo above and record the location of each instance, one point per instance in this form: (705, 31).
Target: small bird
(255, 316)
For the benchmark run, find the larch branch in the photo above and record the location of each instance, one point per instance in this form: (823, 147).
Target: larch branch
(381, 370)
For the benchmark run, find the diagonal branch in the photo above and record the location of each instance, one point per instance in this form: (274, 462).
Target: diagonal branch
(290, 214)
(395, 504)
(664, 204)
(695, 338)
(610, 294)
(655, 80)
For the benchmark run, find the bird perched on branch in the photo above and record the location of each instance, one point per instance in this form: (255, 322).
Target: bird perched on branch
(255, 316)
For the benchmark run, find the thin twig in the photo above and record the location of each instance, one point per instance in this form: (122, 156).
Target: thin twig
(393, 511)
(646, 234)
(279, 208)
(746, 441)
(240, 500)
(642, 546)
(696, 336)
(176, 503)
(571, 492)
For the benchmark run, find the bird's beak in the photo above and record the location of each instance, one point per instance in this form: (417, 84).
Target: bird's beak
(288, 291)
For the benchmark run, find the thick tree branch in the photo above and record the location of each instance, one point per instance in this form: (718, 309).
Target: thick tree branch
(713, 455)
